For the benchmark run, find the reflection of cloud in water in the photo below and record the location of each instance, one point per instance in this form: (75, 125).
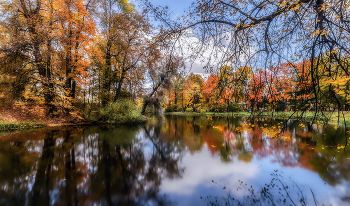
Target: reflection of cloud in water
(303, 178)
(202, 168)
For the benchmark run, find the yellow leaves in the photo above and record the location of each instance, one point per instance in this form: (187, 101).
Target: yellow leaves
(219, 128)
(301, 125)
(335, 127)
(340, 147)
(282, 4)
(126, 6)
(296, 7)
(285, 137)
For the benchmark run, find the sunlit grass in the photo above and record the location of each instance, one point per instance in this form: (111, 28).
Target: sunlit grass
(330, 117)
(5, 126)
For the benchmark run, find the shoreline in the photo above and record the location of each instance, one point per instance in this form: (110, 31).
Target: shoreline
(23, 126)
(13, 126)
(307, 116)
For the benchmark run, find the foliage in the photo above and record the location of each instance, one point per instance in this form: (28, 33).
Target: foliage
(294, 53)
(234, 107)
(65, 53)
(189, 109)
(19, 125)
(123, 111)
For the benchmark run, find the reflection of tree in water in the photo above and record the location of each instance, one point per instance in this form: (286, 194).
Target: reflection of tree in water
(17, 160)
(309, 146)
(130, 178)
(125, 165)
(167, 154)
(86, 166)
(278, 191)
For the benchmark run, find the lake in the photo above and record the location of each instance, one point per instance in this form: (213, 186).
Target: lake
(178, 160)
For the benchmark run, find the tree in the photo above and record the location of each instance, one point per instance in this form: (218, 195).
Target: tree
(161, 77)
(225, 81)
(76, 29)
(110, 13)
(27, 27)
(261, 34)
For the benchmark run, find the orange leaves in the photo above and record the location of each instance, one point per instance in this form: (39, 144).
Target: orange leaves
(211, 84)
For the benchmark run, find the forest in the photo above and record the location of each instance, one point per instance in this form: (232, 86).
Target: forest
(153, 102)
(113, 61)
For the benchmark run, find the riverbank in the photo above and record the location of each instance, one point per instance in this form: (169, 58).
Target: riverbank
(6, 126)
(24, 117)
(14, 118)
(329, 117)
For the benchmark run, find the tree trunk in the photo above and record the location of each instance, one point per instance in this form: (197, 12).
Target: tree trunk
(120, 83)
(106, 87)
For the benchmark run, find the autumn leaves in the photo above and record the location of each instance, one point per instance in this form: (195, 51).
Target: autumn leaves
(63, 53)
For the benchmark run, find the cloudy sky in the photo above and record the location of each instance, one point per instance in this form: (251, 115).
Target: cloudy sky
(177, 8)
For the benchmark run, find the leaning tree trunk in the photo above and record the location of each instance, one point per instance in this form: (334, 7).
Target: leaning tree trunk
(144, 106)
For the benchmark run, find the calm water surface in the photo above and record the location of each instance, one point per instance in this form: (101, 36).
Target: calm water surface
(177, 161)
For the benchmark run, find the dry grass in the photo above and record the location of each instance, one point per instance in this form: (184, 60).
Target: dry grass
(24, 115)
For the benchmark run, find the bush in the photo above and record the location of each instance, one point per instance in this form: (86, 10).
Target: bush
(123, 111)
(216, 107)
(189, 109)
(179, 109)
(234, 107)
(172, 108)
(199, 108)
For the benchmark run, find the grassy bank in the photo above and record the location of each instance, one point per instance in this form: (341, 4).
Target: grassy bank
(7, 126)
(331, 117)
(23, 116)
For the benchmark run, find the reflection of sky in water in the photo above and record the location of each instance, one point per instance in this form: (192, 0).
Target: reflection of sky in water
(201, 168)
(179, 158)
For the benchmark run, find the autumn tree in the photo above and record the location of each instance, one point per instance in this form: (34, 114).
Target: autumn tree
(226, 84)
(261, 34)
(76, 29)
(28, 27)
(161, 74)
(124, 52)
(110, 13)
(256, 90)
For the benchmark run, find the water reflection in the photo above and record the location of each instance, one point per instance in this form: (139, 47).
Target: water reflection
(74, 166)
(169, 161)
(278, 191)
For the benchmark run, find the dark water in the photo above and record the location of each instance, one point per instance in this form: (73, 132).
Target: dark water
(177, 161)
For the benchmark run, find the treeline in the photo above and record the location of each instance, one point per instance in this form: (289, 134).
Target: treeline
(287, 87)
(72, 54)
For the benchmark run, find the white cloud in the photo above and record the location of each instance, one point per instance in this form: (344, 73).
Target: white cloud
(203, 167)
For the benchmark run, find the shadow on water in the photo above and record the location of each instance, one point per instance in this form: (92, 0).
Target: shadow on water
(127, 165)
(86, 166)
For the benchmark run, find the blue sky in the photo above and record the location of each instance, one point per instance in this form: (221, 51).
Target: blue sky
(176, 7)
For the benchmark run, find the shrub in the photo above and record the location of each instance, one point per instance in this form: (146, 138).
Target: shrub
(179, 109)
(217, 107)
(234, 107)
(172, 108)
(123, 111)
(189, 109)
